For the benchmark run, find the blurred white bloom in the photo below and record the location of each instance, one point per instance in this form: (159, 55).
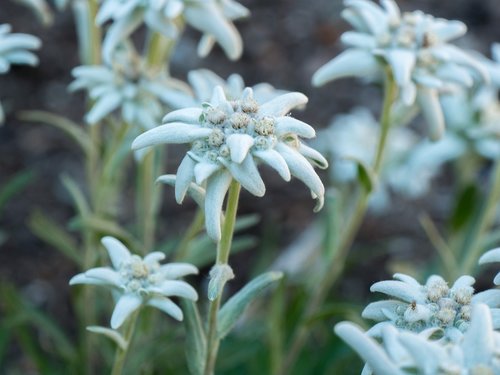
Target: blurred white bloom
(140, 281)
(404, 353)
(229, 138)
(414, 46)
(418, 307)
(212, 17)
(204, 81)
(127, 84)
(410, 163)
(42, 9)
(492, 256)
(15, 49)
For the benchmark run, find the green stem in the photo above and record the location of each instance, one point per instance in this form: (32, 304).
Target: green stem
(473, 243)
(121, 354)
(147, 200)
(223, 249)
(337, 262)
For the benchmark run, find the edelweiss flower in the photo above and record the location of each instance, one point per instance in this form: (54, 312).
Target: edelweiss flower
(15, 49)
(433, 305)
(140, 92)
(229, 138)
(403, 353)
(140, 281)
(212, 17)
(415, 47)
(204, 81)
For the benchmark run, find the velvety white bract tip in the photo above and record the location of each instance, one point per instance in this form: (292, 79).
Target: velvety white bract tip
(140, 281)
(230, 138)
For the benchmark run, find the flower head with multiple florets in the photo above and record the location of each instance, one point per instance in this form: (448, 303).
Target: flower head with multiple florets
(15, 49)
(414, 46)
(433, 305)
(129, 84)
(229, 138)
(477, 351)
(140, 281)
(212, 17)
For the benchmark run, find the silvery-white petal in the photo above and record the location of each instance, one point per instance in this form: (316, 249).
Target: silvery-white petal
(167, 306)
(204, 170)
(105, 274)
(455, 73)
(81, 278)
(196, 192)
(416, 313)
(352, 62)
(287, 124)
(490, 297)
(118, 252)
(407, 279)
(174, 8)
(208, 18)
(173, 132)
(402, 62)
(158, 22)
(125, 306)
(275, 161)
(247, 174)
(461, 57)
(392, 346)
(154, 257)
(478, 342)
(427, 355)
(22, 58)
(234, 10)
(179, 289)
(399, 289)
(118, 31)
(283, 104)
(205, 45)
(354, 19)
(19, 41)
(490, 256)
(358, 40)
(105, 13)
(203, 82)
(301, 168)
(185, 174)
(239, 146)
(103, 107)
(367, 348)
(495, 318)
(448, 30)
(186, 115)
(172, 98)
(429, 80)
(176, 270)
(218, 97)
(392, 10)
(463, 281)
(313, 156)
(374, 310)
(217, 186)
(428, 100)
(373, 16)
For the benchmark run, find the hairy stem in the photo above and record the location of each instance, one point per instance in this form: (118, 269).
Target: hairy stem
(121, 354)
(223, 249)
(343, 246)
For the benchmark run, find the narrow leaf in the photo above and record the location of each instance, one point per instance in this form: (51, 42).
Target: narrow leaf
(49, 231)
(467, 202)
(14, 185)
(111, 334)
(366, 176)
(77, 195)
(196, 341)
(234, 307)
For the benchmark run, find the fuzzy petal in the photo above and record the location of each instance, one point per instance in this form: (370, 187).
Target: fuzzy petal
(154, 257)
(374, 310)
(118, 252)
(239, 145)
(490, 256)
(204, 170)
(463, 281)
(176, 270)
(217, 186)
(103, 107)
(247, 175)
(185, 174)
(478, 341)
(399, 289)
(82, 278)
(352, 62)
(287, 124)
(118, 31)
(406, 279)
(179, 289)
(105, 274)
(174, 132)
(402, 62)
(167, 306)
(490, 297)
(185, 115)
(125, 306)
(428, 100)
(275, 161)
(283, 104)
(426, 354)
(313, 156)
(196, 192)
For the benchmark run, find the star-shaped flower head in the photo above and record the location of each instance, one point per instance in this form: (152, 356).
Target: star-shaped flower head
(404, 353)
(418, 307)
(140, 281)
(414, 46)
(212, 17)
(228, 138)
(128, 84)
(15, 49)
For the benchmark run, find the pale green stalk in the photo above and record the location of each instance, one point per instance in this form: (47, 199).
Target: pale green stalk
(223, 250)
(343, 246)
(121, 354)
